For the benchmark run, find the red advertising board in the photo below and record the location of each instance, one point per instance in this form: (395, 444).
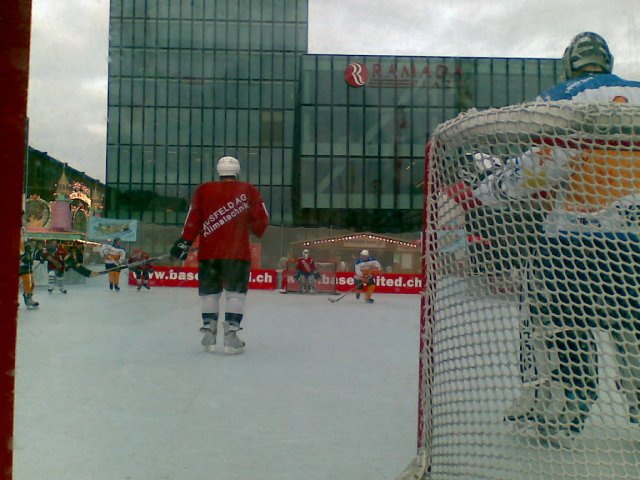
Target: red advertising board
(385, 283)
(188, 277)
(266, 280)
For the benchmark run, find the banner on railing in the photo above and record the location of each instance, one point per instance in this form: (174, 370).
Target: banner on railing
(385, 282)
(103, 229)
(164, 276)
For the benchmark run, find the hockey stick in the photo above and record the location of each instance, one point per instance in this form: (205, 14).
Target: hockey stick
(85, 272)
(130, 265)
(334, 300)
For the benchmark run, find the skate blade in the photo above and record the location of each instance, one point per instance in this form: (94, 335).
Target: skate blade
(209, 348)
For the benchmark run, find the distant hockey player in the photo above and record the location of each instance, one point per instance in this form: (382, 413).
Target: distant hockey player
(114, 257)
(76, 255)
(366, 269)
(306, 273)
(142, 271)
(223, 214)
(584, 233)
(56, 257)
(27, 257)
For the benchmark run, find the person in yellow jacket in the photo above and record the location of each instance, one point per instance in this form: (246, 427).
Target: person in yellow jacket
(114, 256)
(28, 254)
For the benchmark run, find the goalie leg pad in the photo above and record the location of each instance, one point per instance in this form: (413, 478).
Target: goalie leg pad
(303, 284)
(627, 355)
(578, 375)
(557, 364)
(312, 283)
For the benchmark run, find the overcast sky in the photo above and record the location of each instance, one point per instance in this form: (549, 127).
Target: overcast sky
(69, 50)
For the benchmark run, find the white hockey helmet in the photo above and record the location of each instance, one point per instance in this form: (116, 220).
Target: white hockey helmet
(305, 252)
(228, 167)
(586, 49)
(364, 253)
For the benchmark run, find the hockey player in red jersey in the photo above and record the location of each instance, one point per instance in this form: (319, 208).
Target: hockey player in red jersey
(142, 271)
(223, 214)
(56, 257)
(306, 273)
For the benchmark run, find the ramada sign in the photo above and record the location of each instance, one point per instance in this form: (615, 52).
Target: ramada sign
(402, 76)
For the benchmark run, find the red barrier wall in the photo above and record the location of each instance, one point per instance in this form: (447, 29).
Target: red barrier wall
(266, 280)
(188, 277)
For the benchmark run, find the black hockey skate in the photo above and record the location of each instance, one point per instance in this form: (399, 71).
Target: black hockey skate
(30, 303)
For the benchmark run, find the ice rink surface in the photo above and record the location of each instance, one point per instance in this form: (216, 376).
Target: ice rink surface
(116, 386)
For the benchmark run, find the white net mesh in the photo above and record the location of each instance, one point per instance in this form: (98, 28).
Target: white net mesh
(530, 361)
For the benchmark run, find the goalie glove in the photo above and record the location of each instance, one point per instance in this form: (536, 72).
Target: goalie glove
(180, 249)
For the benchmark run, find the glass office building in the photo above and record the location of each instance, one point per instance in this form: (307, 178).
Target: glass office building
(365, 121)
(330, 140)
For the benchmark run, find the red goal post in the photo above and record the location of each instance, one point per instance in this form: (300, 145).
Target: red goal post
(530, 315)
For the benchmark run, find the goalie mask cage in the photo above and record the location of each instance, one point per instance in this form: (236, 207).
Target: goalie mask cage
(325, 284)
(529, 351)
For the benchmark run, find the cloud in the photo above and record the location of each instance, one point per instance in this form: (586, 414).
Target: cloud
(67, 104)
(69, 50)
(502, 28)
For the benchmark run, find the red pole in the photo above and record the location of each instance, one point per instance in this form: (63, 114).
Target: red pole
(15, 30)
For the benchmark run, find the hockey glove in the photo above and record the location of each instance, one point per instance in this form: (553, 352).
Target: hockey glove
(180, 249)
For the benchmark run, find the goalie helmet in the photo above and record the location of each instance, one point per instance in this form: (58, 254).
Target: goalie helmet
(305, 253)
(228, 167)
(586, 49)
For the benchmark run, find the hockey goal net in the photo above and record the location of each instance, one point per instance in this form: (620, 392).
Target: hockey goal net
(326, 283)
(530, 338)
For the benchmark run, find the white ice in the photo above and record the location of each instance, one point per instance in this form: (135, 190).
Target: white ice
(116, 386)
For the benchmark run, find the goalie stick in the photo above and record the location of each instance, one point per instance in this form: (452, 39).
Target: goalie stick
(85, 272)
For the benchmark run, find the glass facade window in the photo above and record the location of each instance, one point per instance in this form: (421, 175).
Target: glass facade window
(188, 76)
(328, 139)
(365, 122)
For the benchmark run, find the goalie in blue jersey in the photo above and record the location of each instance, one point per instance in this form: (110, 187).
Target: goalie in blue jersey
(586, 250)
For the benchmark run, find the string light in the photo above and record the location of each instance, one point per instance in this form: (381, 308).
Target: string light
(361, 236)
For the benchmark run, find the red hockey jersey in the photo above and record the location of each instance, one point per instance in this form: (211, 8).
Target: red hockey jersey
(306, 265)
(224, 213)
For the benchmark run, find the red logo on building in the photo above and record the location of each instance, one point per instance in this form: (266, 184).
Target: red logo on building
(356, 74)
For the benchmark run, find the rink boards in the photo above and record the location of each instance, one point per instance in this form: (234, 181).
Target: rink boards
(168, 276)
